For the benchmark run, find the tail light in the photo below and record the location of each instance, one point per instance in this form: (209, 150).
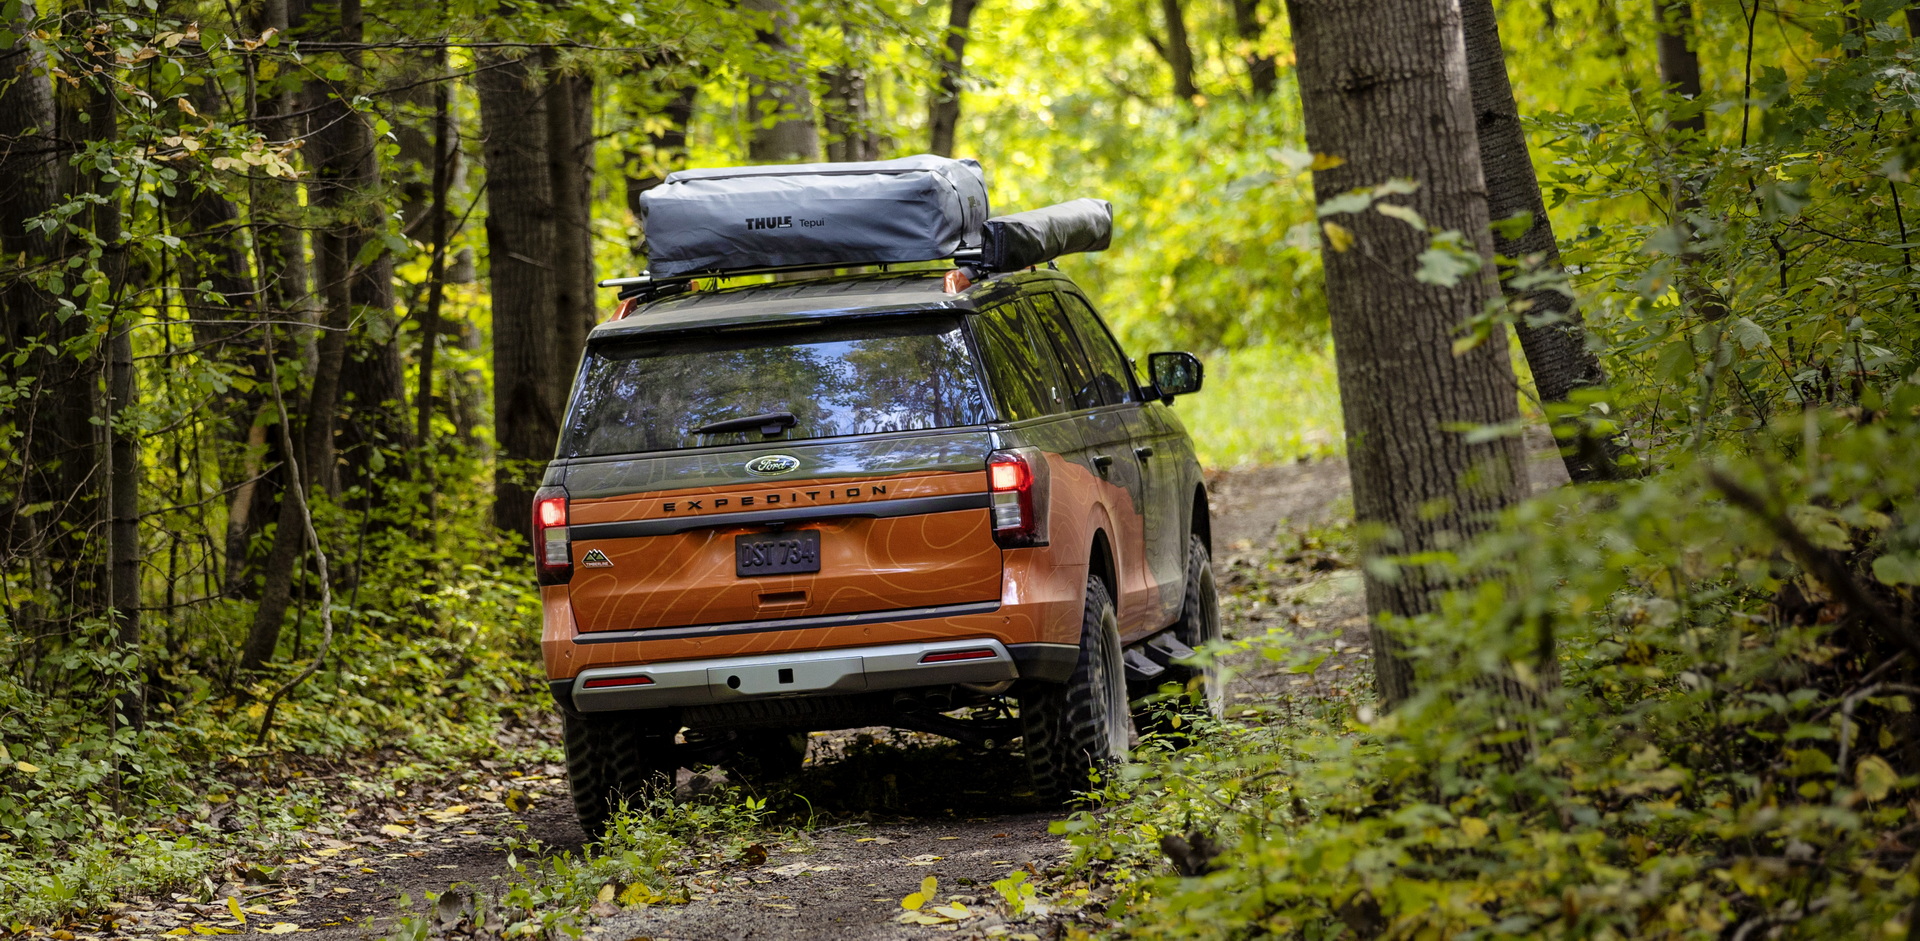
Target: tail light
(552, 550)
(1017, 497)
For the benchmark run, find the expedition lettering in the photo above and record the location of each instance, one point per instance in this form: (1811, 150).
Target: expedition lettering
(777, 499)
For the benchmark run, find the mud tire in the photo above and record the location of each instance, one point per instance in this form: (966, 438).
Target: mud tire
(1070, 729)
(615, 757)
(1199, 628)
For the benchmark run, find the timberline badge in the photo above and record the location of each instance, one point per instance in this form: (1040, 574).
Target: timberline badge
(595, 559)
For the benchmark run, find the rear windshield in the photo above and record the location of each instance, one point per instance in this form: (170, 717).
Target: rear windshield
(835, 379)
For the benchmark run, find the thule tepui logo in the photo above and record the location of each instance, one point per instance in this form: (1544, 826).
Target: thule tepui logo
(770, 222)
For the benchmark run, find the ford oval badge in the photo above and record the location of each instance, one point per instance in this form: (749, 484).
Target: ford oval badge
(773, 465)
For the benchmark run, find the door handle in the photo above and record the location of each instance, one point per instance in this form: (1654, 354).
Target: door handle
(1101, 462)
(1143, 453)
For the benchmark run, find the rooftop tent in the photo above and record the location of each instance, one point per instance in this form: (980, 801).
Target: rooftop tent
(919, 208)
(1037, 236)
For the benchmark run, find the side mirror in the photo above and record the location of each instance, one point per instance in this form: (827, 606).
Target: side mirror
(1175, 374)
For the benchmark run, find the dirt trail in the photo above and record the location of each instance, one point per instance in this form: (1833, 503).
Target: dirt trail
(887, 809)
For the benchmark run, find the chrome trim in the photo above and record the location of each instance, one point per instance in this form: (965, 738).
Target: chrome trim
(808, 673)
(786, 624)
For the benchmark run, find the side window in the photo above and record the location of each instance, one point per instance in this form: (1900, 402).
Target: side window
(1109, 366)
(1022, 381)
(1083, 389)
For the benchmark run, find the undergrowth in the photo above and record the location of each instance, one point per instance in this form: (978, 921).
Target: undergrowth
(1722, 755)
(632, 865)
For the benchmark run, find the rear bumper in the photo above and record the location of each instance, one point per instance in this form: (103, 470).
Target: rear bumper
(795, 673)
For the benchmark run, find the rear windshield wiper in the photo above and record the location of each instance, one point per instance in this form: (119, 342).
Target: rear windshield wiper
(770, 424)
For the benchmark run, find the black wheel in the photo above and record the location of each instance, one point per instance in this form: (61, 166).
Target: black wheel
(764, 757)
(1199, 627)
(615, 757)
(1073, 728)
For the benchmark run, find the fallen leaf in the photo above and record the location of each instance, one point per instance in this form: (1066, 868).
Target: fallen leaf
(924, 859)
(754, 855)
(517, 801)
(233, 905)
(918, 899)
(280, 927)
(394, 829)
(880, 840)
(28, 768)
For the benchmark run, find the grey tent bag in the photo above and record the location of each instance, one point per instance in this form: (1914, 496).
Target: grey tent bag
(912, 209)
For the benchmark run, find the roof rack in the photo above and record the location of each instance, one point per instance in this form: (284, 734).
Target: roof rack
(645, 285)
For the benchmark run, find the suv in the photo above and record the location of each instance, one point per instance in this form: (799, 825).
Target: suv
(867, 500)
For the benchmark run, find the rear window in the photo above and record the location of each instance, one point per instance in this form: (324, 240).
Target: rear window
(834, 379)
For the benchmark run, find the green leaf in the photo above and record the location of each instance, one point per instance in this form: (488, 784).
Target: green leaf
(1748, 334)
(1405, 214)
(1899, 568)
(1875, 777)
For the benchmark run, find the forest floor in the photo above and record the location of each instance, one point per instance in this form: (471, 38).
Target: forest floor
(872, 815)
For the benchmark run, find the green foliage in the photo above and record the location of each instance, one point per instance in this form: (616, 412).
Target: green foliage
(1716, 754)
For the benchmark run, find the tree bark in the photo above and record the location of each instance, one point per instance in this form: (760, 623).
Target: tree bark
(527, 396)
(56, 457)
(1384, 86)
(1177, 49)
(1556, 352)
(445, 152)
(849, 132)
(122, 457)
(1679, 64)
(781, 109)
(569, 169)
(943, 113)
(1262, 73)
(372, 379)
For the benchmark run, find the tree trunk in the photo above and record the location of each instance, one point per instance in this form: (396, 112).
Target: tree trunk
(372, 379)
(1262, 74)
(1679, 64)
(844, 112)
(1384, 86)
(781, 109)
(944, 113)
(1177, 49)
(56, 456)
(569, 169)
(445, 152)
(527, 396)
(1556, 352)
(122, 452)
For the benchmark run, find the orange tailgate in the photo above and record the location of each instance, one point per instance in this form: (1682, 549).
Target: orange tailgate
(895, 558)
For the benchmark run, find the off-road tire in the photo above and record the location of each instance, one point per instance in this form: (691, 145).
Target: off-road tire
(1070, 729)
(615, 757)
(766, 756)
(1199, 628)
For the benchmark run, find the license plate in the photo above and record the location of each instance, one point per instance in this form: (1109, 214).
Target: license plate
(776, 553)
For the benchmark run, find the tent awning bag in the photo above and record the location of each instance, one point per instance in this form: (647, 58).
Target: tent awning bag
(727, 219)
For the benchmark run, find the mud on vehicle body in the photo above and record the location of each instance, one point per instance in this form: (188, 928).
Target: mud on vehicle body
(868, 500)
